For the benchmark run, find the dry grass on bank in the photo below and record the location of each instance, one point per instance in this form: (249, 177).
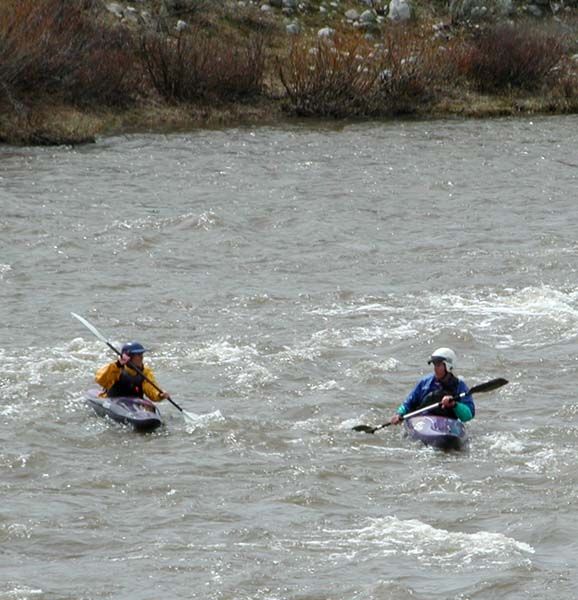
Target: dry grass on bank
(50, 125)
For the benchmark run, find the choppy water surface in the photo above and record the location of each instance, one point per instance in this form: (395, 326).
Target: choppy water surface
(292, 283)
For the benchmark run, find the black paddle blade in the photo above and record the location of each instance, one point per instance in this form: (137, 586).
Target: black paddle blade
(494, 384)
(364, 428)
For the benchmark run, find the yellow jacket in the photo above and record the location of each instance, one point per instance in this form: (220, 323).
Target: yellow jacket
(108, 375)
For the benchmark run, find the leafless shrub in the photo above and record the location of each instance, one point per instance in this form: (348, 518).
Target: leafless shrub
(194, 66)
(50, 48)
(349, 77)
(510, 56)
(333, 78)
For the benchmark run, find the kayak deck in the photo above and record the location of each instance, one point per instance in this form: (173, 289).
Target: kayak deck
(436, 431)
(139, 413)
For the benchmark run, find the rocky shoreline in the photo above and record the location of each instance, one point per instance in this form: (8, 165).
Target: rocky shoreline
(271, 61)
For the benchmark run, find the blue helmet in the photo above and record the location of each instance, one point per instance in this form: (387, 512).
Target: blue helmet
(133, 348)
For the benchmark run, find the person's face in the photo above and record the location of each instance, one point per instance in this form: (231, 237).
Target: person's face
(137, 360)
(439, 369)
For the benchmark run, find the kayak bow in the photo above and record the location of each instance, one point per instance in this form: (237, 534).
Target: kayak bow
(139, 413)
(439, 432)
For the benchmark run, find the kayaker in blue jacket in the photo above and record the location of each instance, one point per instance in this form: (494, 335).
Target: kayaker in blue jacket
(441, 386)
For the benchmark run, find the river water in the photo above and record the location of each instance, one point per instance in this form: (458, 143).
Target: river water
(291, 282)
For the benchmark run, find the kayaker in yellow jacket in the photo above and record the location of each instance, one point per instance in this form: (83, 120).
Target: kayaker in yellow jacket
(119, 379)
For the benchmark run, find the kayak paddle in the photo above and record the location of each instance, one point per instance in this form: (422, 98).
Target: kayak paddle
(188, 416)
(494, 384)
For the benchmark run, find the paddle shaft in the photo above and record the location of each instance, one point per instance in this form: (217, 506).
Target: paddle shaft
(482, 387)
(94, 330)
(139, 371)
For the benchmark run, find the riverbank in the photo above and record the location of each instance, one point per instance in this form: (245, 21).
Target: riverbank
(65, 125)
(250, 67)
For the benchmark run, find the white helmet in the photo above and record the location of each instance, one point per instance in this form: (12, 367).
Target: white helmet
(446, 355)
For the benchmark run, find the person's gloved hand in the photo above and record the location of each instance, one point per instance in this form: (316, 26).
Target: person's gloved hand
(448, 402)
(123, 359)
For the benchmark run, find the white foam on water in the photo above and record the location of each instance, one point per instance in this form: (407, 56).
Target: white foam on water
(220, 352)
(4, 269)
(204, 221)
(18, 531)
(42, 364)
(242, 363)
(196, 421)
(242, 368)
(390, 536)
(414, 537)
(300, 352)
(528, 316)
(367, 370)
(544, 461)
(43, 380)
(542, 301)
(373, 334)
(23, 593)
(254, 376)
(506, 443)
(345, 311)
(9, 410)
(326, 386)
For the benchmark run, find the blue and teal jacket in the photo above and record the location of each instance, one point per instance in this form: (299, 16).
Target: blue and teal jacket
(429, 390)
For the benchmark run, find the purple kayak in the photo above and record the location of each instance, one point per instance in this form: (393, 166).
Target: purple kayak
(440, 432)
(139, 413)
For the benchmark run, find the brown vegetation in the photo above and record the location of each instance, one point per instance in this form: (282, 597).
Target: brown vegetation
(409, 70)
(195, 66)
(506, 56)
(62, 59)
(349, 76)
(55, 49)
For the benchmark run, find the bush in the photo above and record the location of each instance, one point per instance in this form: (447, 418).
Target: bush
(416, 66)
(333, 78)
(349, 77)
(507, 56)
(194, 66)
(53, 48)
